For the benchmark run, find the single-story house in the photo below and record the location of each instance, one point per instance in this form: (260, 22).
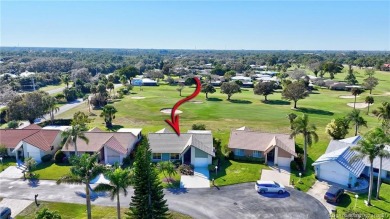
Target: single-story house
(276, 148)
(31, 141)
(194, 147)
(336, 166)
(111, 146)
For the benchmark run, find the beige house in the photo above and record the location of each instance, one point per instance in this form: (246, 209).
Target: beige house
(276, 148)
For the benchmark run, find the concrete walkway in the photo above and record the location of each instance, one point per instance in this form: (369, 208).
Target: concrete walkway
(200, 179)
(12, 172)
(16, 205)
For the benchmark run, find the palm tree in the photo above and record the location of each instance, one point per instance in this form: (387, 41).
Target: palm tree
(72, 134)
(301, 126)
(369, 100)
(167, 167)
(356, 120)
(291, 117)
(109, 114)
(383, 113)
(383, 153)
(110, 86)
(355, 92)
(368, 147)
(123, 80)
(120, 179)
(52, 108)
(84, 168)
(66, 80)
(94, 90)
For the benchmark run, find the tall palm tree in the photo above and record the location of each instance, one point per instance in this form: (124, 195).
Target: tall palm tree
(383, 153)
(369, 100)
(301, 126)
(123, 80)
(120, 179)
(110, 86)
(383, 113)
(72, 134)
(109, 114)
(368, 148)
(356, 120)
(355, 92)
(66, 80)
(52, 108)
(84, 168)
(291, 117)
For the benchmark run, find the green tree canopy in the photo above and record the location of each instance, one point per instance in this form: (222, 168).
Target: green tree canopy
(230, 88)
(294, 92)
(264, 88)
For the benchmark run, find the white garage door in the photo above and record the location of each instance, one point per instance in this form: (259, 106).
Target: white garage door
(113, 159)
(35, 155)
(284, 161)
(201, 162)
(333, 176)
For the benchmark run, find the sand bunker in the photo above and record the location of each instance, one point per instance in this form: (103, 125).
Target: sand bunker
(197, 102)
(168, 111)
(359, 105)
(347, 96)
(137, 98)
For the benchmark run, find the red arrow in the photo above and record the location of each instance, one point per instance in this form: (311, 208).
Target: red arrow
(175, 118)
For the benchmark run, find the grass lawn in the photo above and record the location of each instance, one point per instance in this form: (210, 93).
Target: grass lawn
(74, 211)
(378, 207)
(51, 170)
(174, 184)
(234, 172)
(245, 109)
(7, 161)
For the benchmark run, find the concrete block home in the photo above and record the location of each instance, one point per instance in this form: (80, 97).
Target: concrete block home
(31, 141)
(276, 148)
(194, 147)
(336, 166)
(111, 146)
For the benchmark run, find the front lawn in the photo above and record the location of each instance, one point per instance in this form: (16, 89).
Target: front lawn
(234, 172)
(73, 211)
(51, 170)
(7, 161)
(379, 207)
(174, 184)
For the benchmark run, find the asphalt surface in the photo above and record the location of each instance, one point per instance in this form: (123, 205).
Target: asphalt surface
(236, 201)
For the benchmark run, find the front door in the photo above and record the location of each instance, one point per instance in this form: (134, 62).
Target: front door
(271, 155)
(187, 156)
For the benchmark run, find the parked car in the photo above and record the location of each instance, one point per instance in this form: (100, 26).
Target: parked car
(5, 213)
(269, 186)
(333, 194)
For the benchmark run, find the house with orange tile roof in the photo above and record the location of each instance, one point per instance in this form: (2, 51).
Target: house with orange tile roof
(31, 141)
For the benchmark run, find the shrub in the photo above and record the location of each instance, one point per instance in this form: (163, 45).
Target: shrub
(59, 156)
(177, 163)
(230, 155)
(127, 160)
(250, 159)
(47, 158)
(198, 126)
(3, 150)
(12, 124)
(186, 169)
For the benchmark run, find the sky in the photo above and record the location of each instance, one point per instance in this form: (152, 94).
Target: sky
(231, 25)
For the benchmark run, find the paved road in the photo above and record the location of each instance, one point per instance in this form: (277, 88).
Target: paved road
(236, 201)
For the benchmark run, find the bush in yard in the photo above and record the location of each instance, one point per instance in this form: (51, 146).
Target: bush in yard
(12, 124)
(3, 150)
(46, 214)
(59, 156)
(47, 158)
(186, 169)
(126, 160)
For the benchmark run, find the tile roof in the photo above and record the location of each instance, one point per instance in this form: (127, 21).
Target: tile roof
(260, 141)
(33, 126)
(343, 157)
(162, 142)
(118, 141)
(40, 138)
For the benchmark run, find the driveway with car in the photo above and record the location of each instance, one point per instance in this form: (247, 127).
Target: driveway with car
(16, 205)
(318, 191)
(200, 179)
(278, 174)
(235, 201)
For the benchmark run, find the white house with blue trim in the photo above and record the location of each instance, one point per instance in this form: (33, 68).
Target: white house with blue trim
(194, 147)
(336, 166)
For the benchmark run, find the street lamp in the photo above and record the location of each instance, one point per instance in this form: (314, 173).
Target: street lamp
(356, 197)
(300, 177)
(1, 159)
(216, 170)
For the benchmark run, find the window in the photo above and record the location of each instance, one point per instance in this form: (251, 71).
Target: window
(388, 174)
(376, 170)
(256, 154)
(174, 156)
(156, 156)
(239, 152)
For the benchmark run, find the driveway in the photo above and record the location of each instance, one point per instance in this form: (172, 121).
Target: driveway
(16, 205)
(277, 174)
(200, 179)
(12, 172)
(236, 201)
(318, 191)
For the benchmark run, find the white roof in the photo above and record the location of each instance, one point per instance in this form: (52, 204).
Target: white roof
(244, 128)
(57, 127)
(199, 131)
(148, 80)
(351, 140)
(134, 131)
(241, 78)
(9, 74)
(26, 74)
(100, 179)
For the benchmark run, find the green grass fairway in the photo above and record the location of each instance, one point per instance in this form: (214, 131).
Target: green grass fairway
(245, 109)
(76, 211)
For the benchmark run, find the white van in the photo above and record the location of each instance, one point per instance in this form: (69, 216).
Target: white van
(269, 186)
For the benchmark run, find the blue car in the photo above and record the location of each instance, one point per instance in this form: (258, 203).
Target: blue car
(5, 213)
